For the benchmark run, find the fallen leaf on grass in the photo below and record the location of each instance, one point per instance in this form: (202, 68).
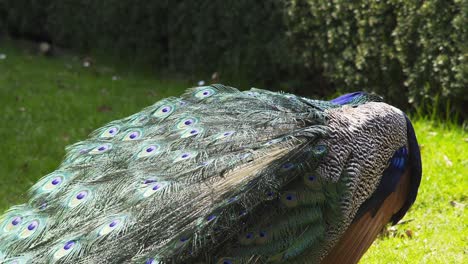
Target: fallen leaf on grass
(409, 233)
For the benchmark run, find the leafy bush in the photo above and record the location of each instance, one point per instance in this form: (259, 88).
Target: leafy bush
(409, 51)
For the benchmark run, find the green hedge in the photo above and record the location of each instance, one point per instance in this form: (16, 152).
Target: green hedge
(409, 51)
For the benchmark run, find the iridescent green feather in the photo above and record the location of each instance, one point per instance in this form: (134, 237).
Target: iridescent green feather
(187, 180)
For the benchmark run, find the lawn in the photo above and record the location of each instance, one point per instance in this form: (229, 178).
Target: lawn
(48, 103)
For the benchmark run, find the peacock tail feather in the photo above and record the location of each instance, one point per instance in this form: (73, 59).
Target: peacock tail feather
(214, 176)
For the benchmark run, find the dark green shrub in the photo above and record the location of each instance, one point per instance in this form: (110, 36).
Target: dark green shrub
(408, 51)
(23, 18)
(244, 38)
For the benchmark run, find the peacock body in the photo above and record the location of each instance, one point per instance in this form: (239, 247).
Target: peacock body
(219, 176)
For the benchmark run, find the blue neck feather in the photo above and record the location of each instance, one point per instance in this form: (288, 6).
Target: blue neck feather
(347, 98)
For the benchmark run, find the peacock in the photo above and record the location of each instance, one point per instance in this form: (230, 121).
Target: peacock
(224, 176)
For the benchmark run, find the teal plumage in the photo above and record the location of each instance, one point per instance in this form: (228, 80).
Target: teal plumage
(215, 176)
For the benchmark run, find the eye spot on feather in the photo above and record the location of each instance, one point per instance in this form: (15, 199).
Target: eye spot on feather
(111, 226)
(225, 261)
(12, 223)
(56, 181)
(101, 149)
(287, 166)
(29, 229)
(320, 150)
(152, 188)
(270, 195)
(69, 245)
(149, 150)
(164, 111)
(185, 156)
(190, 132)
(16, 221)
(65, 249)
(150, 261)
(110, 132)
(204, 92)
(148, 181)
(132, 135)
(79, 198)
(32, 226)
(225, 134)
(186, 123)
(247, 238)
(262, 237)
(289, 199)
(311, 180)
(52, 183)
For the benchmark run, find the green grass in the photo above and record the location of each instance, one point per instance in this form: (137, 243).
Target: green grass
(49, 103)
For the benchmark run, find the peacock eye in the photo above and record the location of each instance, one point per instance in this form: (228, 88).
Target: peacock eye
(191, 132)
(150, 261)
(52, 183)
(320, 149)
(16, 221)
(152, 188)
(287, 166)
(111, 226)
(133, 135)
(69, 245)
(148, 181)
(65, 249)
(101, 149)
(164, 111)
(311, 180)
(149, 150)
(79, 198)
(226, 261)
(185, 156)
(110, 132)
(204, 93)
(225, 134)
(289, 199)
(30, 229)
(186, 123)
(12, 223)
